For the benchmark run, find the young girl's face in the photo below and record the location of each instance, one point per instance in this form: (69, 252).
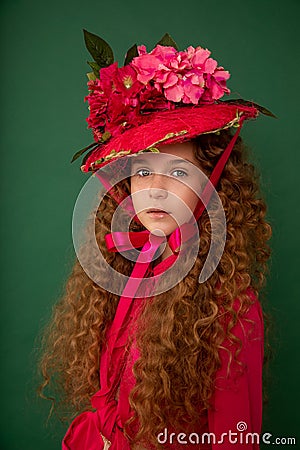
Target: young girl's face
(164, 187)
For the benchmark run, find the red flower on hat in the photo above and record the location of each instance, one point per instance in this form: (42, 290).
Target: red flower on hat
(113, 101)
(126, 83)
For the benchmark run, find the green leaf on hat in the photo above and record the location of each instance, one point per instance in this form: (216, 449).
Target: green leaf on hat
(80, 152)
(91, 76)
(264, 110)
(95, 67)
(86, 156)
(167, 41)
(99, 49)
(261, 109)
(131, 53)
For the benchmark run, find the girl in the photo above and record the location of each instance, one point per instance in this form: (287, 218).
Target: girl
(166, 361)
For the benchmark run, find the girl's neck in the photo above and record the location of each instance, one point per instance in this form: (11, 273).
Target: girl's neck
(167, 252)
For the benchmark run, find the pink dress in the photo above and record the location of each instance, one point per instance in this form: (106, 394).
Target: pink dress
(234, 422)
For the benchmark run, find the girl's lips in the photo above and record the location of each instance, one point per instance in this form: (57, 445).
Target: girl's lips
(157, 213)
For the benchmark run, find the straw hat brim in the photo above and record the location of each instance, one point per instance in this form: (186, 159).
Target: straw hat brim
(167, 127)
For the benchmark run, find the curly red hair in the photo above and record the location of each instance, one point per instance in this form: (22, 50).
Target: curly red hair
(179, 332)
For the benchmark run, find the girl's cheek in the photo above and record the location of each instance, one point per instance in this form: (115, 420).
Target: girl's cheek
(133, 187)
(137, 184)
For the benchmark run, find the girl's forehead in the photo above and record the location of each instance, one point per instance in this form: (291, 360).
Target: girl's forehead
(183, 150)
(171, 153)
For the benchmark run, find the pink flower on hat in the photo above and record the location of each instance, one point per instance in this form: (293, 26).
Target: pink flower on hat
(147, 66)
(182, 76)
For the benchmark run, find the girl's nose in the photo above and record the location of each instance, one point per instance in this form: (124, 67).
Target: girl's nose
(157, 189)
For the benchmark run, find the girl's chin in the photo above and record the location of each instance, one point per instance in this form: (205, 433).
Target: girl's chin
(159, 227)
(160, 231)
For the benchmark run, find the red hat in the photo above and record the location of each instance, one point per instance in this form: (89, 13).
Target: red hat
(157, 98)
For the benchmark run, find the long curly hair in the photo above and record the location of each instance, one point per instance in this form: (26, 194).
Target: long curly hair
(179, 332)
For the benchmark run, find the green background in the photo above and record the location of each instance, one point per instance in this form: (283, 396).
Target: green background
(43, 84)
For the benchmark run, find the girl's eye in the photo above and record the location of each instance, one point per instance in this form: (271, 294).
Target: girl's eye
(143, 172)
(179, 173)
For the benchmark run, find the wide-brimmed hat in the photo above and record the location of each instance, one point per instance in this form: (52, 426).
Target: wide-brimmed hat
(156, 98)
